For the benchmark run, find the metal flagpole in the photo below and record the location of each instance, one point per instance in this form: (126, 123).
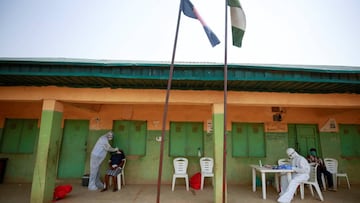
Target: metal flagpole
(166, 108)
(225, 104)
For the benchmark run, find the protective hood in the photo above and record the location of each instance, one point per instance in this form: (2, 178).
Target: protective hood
(291, 153)
(110, 135)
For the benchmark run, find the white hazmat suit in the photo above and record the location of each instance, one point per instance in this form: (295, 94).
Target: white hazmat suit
(98, 155)
(301, 173)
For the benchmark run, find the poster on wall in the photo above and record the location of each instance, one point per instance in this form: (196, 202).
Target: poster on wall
(330, 126)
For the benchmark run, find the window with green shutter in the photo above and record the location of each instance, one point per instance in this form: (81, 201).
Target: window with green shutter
(186, 138)
(130, 136)
(248, 140)
(19, 136)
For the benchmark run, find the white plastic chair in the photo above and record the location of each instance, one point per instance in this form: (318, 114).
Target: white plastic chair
(332, 166)
(120, 178)
(312, 182)
(180, 171)
(206, 165)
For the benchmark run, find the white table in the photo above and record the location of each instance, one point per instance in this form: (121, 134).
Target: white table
(263, 170)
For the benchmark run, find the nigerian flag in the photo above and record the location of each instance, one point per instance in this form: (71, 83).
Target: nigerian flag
(238, 22)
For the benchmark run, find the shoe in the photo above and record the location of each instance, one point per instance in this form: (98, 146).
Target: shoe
(93, 188)
(103, 190)
(114, 190)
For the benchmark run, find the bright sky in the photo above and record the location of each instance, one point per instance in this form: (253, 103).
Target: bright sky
(310, 32)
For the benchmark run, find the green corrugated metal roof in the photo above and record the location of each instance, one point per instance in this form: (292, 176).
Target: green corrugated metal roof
(196, 76)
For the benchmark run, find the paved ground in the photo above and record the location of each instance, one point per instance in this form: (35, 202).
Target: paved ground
(20, 193)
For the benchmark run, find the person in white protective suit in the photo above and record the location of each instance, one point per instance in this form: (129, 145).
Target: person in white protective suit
(301, 173)
(98, 155)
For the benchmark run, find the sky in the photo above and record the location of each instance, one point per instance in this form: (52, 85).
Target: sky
(306, 32)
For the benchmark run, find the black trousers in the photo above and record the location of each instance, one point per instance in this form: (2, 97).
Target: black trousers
(328, 176)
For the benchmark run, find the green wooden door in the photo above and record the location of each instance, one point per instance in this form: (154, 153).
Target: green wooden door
(130, 136)
(73, 149)
(303, 137)
(350, 139)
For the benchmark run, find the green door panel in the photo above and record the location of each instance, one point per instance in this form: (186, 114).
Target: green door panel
(177, 139)
(121, 130)
(292, 136)
(19, 136)
(256, 140)
(239, 140)
(194, 138)
(186, 138)
(11, 137)
(349, 139)
(307, 138)
(130, 136)
(137, 144)
(28, 136)
(73, 149)
(248, 140)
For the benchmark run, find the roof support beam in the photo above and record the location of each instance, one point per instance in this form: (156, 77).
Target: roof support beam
(179, 97)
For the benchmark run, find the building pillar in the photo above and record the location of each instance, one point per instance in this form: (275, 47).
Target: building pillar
(45, 171)
(218, 126)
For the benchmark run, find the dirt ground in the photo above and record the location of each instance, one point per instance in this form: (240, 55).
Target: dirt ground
(20, 193)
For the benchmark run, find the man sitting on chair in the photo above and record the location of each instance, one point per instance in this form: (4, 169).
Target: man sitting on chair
(116, 163)
(321, 169)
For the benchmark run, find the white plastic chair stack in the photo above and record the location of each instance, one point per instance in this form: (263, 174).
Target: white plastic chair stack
(312, 182)
(332, 166)
(206, 165)
(120, 177)
(180, 167)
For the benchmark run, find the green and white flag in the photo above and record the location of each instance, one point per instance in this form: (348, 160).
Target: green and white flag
(238, 22)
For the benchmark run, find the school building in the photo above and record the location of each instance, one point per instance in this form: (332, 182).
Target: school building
(52, 111)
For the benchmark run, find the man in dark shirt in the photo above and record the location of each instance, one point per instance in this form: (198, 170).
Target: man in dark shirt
(321, 169)
(116, 163)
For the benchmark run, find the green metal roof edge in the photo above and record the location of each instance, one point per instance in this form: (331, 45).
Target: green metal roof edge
(127, 63)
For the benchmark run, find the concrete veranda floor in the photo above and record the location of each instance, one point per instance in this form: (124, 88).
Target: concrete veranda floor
(20, 193)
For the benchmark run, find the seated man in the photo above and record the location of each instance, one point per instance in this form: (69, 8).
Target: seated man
(116, 163)
(321, 169)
